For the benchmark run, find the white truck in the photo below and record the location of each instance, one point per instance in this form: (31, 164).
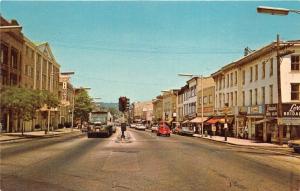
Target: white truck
(100, 123)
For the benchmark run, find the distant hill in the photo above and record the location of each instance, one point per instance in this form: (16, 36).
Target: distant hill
(110, 105)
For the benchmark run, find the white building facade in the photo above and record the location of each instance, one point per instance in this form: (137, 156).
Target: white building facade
(252, 93)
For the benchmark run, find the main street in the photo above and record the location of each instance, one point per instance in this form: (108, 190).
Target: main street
(74, 162)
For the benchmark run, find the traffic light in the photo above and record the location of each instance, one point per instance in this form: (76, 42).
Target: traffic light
(121, 104)
(124, 104)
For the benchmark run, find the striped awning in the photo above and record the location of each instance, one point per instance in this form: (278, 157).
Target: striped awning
(198, 120)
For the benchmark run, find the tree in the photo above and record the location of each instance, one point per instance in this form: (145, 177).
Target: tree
(23, 103)
(83, 105)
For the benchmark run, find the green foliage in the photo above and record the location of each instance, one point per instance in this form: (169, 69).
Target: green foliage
(24, 102)
(83, 105)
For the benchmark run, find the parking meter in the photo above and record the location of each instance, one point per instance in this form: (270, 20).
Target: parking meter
(123, 128)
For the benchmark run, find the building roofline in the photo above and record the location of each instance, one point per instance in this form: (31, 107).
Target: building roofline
(269, 48)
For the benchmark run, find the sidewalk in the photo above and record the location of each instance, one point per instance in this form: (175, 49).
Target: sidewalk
(242, 142)
(34, 134)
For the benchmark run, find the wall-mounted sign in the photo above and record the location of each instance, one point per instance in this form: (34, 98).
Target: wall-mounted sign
(256, 109)
(291, 110)
(271, 110)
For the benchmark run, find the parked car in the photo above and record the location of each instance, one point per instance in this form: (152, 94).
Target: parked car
(140, 127)
(163, 129)
(132, 125)
(154, 128)
(187, 131)
(295, 144)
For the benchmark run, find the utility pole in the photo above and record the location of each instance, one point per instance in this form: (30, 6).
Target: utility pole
(279, 105)
(202, 105)
(279, 112)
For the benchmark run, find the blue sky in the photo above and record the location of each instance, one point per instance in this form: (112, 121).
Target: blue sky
(136, 49)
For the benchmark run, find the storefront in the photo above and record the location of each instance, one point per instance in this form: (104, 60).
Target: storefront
(290, 121)
(271, 129)
(255, 122)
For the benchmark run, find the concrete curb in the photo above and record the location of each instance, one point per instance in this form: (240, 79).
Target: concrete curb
(252, 147)
(24, 137)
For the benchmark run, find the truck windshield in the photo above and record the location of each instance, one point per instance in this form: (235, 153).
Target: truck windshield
(98, 118)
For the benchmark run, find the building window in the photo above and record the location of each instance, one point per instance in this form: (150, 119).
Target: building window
(235, 98)
(4, 54)
(231, 99)
(271, 93)
(263, 95)
(255, 91)
(251, 74)
(223, 98)
(204, 100)
(250, 97)
(244, 76)
(231, 79)
(263, 70)
(256, 72)
(271, 66)
(223, 79)
(227, 96)
(295, 91)
(210, 99)
(295, 63)
(236, 78)
(243, 98)
(220, 100)
(227, 80)
(14, 58)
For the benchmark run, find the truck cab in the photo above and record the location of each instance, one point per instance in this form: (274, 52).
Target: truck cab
(100, 123)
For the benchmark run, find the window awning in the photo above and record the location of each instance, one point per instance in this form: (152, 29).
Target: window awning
(186, 121)
(198, 120)
(213, 120)
(263, 121)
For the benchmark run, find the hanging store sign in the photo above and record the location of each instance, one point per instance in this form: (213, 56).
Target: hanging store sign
(291, 110)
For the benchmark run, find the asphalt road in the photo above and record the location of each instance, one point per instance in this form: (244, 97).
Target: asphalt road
(74, 162)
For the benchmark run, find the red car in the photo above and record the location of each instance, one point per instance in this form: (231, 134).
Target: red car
(163, 129)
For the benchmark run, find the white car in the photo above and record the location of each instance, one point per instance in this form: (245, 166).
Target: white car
(154, 128)
(140, 127)
(132, 125)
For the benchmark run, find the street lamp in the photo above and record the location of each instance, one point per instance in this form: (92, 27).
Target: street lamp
(201, 77)
(276, 10)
